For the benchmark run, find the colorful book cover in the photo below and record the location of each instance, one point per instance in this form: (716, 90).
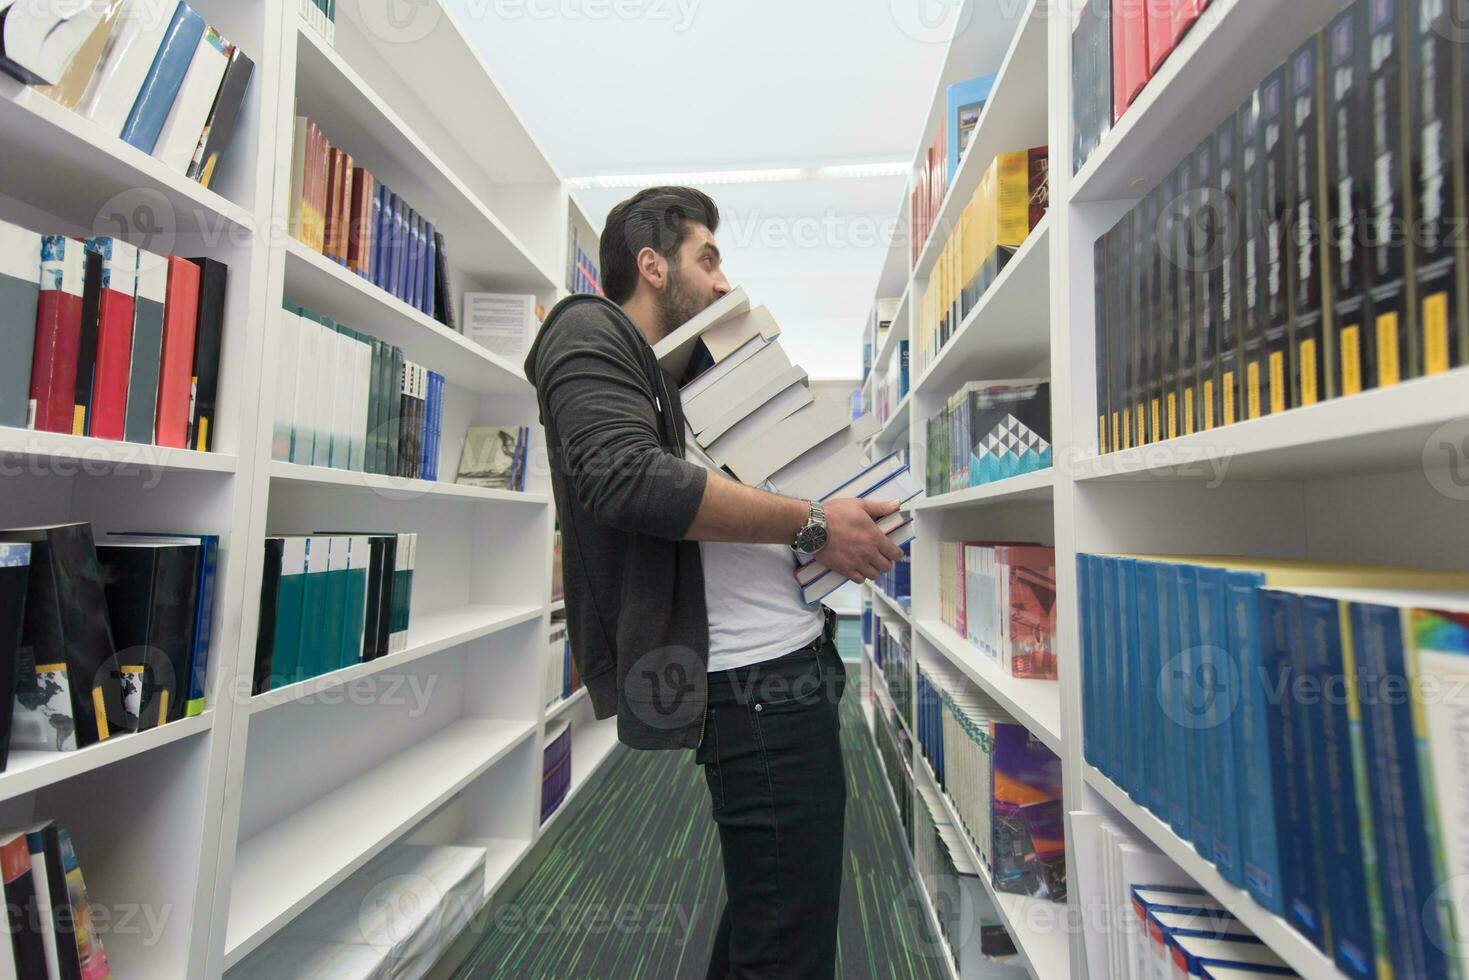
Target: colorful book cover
(1029, 816)
(1010, 430)
(92, 956)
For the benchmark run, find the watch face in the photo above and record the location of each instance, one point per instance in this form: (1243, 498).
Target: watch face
(811, 540)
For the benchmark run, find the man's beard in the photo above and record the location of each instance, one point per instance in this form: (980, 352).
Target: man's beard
(678, 304)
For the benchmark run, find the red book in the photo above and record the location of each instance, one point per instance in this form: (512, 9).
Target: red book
(1161, 36)
(176, 373)
(1129, 53)
(359, 233)
(1185, 14)
(58, 333)
(333, 179)
(344, 204)
(114, 338)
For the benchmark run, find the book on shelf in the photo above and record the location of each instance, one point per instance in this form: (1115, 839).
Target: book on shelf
(494, 457)
(556, 767)
(320, 16)
(562, 677)
(989, 431)
(1311, 804)
(50, 915)
(1001, 597)
(558, 575)
(342, 211)
(1271, 314)
(329, 601)
(502, 323)
(15, 567)
(964, 102)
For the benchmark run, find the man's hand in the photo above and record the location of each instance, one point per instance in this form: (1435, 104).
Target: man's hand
(854, 545)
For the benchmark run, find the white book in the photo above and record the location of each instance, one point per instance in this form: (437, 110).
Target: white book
(810, 475)
(303, 416)
(1223, 951)
(755, 463)
(344, 368)
(185, 121)
(673, 351)
(754, 374)
(757, 399)
(867, 479)
(288, 353)
(359, 557)
(125, 63)
(364, 400)
(788, 402)
(706, 380)
(725, 338)
(38, 40)
(323, 392)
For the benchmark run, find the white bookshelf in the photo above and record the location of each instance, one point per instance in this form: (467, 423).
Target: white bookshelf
(235, 821)
(1364, 478)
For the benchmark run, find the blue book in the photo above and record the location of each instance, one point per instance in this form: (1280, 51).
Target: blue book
(400, 248)
(1254, 760)
(312, 642)
(1132, 688)
(1409, 886)
(1170, 700)
(1192, 708)
(439, 383)
(1348, 852)
(374, 222)
(165, 77)
(429, 269)
(1220, 674)
(1108, 693)
(1087, 632)
(381, 241)
(415, 258)
(965, 103)
(1283, 662)
(425, 451)
(1148, 719)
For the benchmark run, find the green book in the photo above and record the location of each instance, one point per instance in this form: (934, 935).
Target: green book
(290, 602)
(354, 613)
(313, 609)
(334, 612)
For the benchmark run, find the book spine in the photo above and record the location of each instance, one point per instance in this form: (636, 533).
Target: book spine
(1191, 706)
(1254, 260)
(1228, 356)
(114, 338)
(1347, 154)
(147, 352)
(1152, 777)
(58, 333)
(1392, 347)
(1185, 273)
(203, 627)
(86, 361)
(223, 118)
(1277, 392)
(164, 79)
(208, 344)
(1169, 700)
(1254, 762)
(20, 285)
(1221, 723)
(175, 373)
(1304, 246)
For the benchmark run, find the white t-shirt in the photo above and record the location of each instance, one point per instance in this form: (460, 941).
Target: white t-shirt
(755, 608)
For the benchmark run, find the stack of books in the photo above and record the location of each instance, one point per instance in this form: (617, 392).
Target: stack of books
(1309, 732)
(893, 655)
(582, 273)
(989, 431)
(1004, 782)
(1012, 198)
(894, 749)
(352, 402)
(328, 601)
(897, 582)
(892, 385)
(320, 16)
(342, 211)
(105, 637)
(555, 767)
(159, 78)
(1235, 306)
(977, 939)
(107, 340)
(753, 413)
(1116, 49)
(494, 457)
(1001, 597)
(51, 924)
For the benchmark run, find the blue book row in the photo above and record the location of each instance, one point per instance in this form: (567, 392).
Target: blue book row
(1271, 713)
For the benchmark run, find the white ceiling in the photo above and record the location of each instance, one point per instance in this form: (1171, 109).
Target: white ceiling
(658, 86)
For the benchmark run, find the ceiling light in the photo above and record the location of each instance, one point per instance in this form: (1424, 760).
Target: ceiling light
(767, 176)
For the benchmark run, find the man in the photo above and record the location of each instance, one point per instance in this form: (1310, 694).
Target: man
(684, 615)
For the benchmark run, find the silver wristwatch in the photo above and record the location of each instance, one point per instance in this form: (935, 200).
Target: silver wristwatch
(811, 538)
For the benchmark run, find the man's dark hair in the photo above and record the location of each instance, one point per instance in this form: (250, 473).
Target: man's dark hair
(656, 218)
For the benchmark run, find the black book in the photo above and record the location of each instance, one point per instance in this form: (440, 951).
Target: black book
(1082, 103)
(223, 117)
(1437, 168)
(63, 916)
(1272, 245)
(1304, 252)
(15, 566)
(87, 343)
(395, 415)
(1167, 329)
(389, 595)
(1389, 353)
(152, 589)
(1119, 312)
(66, 640)
(208, 339)
(1348, 169)
(1185, 278)
(270, 584)
(443, 293)
(374, 598)
(1103, 365)
(1149, 379)
(1227, 176)
(1254, 256)
(1209, 248)
(21, 911)
(370, 462)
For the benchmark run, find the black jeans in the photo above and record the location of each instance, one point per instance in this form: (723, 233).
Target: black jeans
(772, 756)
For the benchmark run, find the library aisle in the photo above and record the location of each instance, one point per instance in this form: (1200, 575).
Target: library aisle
(631, 888)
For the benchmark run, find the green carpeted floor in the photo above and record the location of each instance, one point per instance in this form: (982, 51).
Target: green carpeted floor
(631, 888)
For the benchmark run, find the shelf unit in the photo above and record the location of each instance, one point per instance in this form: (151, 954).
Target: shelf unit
(1366, 478)
(235, 821)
